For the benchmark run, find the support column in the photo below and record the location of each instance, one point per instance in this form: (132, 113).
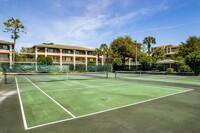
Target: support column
(129, 63)
(102, 63)
(60, 59)
(10, 55)
(36, 55)
(86, 61)
(97, 62)
(74, 60)
(45, 52)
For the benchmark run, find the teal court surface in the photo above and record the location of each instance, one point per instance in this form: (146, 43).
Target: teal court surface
(49, 99)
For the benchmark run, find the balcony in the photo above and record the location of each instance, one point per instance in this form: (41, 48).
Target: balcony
(92, 56)
(41, 53)
(25, 60)
(4, 51)
(67, 62)
(4, 60)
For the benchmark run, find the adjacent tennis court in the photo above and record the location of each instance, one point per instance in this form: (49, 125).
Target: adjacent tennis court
(49, 99)
(152, 76)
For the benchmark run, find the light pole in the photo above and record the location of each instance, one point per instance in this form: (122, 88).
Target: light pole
(136, 57)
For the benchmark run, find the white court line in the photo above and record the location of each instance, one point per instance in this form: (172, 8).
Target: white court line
(51, 98)
(109, 109)
(86, 88)
(22, 109)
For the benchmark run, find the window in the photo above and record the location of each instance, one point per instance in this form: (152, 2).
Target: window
(80, 52)
(174, 49)
(78, 59)
(56, 59)
(83, 60)
(68, 59)
(41, 50)
(90, 53)
(91, 59)
(50, 50)
(168, 50)
(67, 51)
(4, 47)
(3, 56)
(77, 52)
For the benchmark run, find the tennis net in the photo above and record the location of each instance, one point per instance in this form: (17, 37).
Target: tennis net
(124, 74)
(53, 77)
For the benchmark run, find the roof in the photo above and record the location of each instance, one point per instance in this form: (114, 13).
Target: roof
(160, 46)
(5, 42)
(63, 47)
(169, 45)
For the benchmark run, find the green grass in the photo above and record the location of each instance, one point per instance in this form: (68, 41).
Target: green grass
(82, 97)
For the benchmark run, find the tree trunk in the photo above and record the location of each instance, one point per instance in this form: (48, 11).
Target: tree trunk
(149, 49)
(123, 60)
(14, 49)
(107, 59)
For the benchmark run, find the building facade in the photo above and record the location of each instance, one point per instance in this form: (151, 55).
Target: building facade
(169, 49)
(60, 54)
(65, 54)
(6, 52)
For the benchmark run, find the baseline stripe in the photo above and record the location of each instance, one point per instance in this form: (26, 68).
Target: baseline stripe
(110, 109)
(21, 106)
(51, 98)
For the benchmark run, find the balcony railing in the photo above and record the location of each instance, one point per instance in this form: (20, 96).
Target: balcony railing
(25, 60)
(4, 59)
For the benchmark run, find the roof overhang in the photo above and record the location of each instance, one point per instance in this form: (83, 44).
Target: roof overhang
(59, 46)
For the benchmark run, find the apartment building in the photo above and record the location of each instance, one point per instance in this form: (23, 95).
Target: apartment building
(169, 49)
(66, 54)
(6, 51)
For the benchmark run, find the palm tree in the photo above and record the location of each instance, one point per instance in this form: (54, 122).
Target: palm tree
(97, 52)
(148, 41)
(158, 53)
(106, 50)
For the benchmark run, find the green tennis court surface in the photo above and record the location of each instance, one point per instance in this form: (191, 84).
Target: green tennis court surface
(44, 102)
(164, 78)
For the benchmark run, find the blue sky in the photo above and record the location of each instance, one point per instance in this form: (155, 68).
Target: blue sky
(93, 22)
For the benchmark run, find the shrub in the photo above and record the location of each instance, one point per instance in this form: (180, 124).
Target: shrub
(117, 61)
(193, 60)
(185, 68)
(170, 70)
(91, 63)
(145, 62)
(117, 64)
(44, 60)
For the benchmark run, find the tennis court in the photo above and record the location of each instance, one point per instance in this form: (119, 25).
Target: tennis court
(142, 75)
(50, 99)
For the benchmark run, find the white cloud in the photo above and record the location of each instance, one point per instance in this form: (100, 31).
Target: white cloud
(97, 22)
(98, 5)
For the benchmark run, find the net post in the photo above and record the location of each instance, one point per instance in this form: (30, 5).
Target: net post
(5, 78)
(107, 74)
(115, 74)
(67, 76)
